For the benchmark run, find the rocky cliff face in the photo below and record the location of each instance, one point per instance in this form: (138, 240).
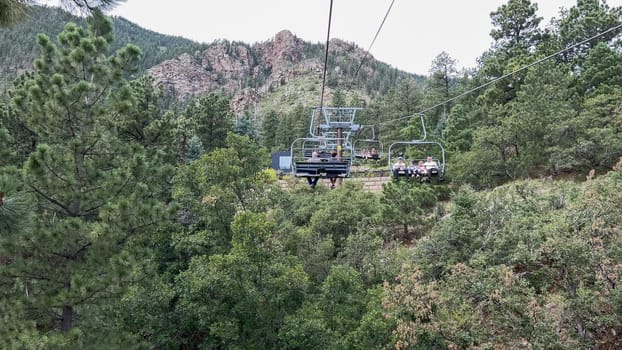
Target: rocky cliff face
(245, 73)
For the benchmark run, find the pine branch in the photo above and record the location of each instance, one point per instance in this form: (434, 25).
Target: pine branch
(11, 12)
(51, 200)
(114, 196)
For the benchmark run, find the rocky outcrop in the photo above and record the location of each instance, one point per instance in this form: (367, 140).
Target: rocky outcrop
(246, 73)
(282, 51)
(222, 67)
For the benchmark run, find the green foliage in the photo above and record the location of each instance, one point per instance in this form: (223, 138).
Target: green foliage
(245, 125)
(589, 140)
(89, 259)
(406, 204)
(292, 126)
(601, 72)
(585, 20)
(441, 86)
(523, 264)
(342, 212)
(269, 127)
(341, 299)
(365, 252)
(19, 139)
(93, 201)
(338, 99)
(250, 289)
(404, 99)
(213, 188)
(6, 154)
(11, 12)
(211, 120)
(516, 25)
(16, 205)
(19, 49)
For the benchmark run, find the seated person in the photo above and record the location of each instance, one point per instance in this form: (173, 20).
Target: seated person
(412, 168)
(364, 154)
(421, 169)
(399, 166)
(315, 158)
(373, 154)
(333, 158)
(431, 165)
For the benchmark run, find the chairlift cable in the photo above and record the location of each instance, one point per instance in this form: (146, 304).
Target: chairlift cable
(370, 45)
(330, 14)
(500, 78)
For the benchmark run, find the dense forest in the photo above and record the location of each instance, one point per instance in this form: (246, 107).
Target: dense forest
(126, 223)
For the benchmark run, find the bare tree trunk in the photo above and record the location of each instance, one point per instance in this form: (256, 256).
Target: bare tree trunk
(67, 321)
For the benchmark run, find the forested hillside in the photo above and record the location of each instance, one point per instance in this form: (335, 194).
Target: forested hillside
(274, 74)
(128, 222)
(18, 44)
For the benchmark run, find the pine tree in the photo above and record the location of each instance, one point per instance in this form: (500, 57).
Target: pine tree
(94, 195)
(212, 118)
(13, 11)
(269, 127)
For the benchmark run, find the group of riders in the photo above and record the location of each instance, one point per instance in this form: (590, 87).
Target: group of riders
(423, 170)
(369, 154)
(315, 158)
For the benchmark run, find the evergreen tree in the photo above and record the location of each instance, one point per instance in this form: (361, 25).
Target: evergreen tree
(13, 11)
(245, 125)
(93, 192)
(338, 99)
(15, 206)
(212, 119)
(440, 87)
(516, 25)
(405, 205)
(585, 20)
(269, 127)
(195, 149)
(19, 139)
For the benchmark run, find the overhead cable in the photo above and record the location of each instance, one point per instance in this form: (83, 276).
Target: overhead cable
(501, 77)
(373, 41)
(330, 14)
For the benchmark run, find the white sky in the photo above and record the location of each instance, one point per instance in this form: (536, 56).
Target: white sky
(415, 32)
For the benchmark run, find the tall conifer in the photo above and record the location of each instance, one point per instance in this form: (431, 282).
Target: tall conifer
(94, 190)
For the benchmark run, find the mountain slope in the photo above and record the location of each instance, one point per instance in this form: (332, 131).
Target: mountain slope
(279, 73)
(18, 44)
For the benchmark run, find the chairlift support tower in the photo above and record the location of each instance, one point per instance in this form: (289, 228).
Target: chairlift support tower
(334, 123)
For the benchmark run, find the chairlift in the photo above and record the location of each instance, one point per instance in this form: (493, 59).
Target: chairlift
(370, 148)
(329, 119)
(417, 151)
(327, 166)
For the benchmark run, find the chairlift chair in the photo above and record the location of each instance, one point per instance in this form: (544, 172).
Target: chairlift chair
(418, 150)
(363, 148)
(301, 151)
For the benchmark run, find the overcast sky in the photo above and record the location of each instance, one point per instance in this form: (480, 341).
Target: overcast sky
(414, 33)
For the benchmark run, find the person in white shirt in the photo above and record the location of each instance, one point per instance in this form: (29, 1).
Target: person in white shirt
(398, 166)
(432, 167)
(430, 164)
(315, 158)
